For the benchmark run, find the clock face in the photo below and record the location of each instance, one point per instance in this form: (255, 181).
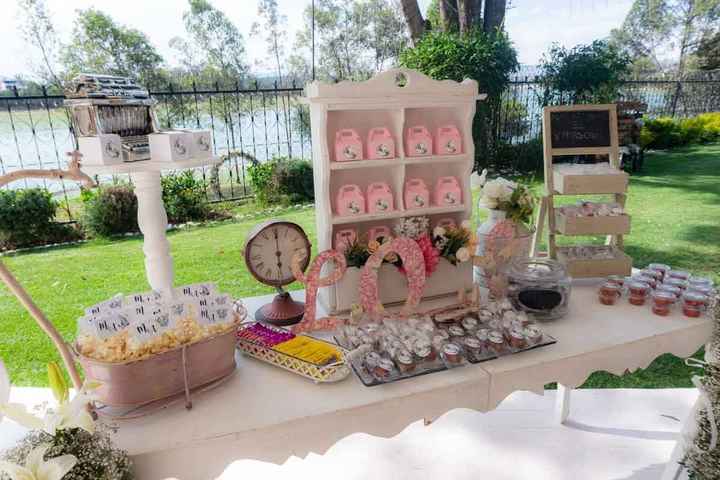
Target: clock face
(270, 248)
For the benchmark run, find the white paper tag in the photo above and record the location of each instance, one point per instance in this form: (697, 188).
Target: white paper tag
(114, 304)
(197, 290)
(108, 325)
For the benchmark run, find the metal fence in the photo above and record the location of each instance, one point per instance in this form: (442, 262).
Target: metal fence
(268, 122)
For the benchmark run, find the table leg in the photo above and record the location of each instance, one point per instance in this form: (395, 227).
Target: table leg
(152, 221)
(562, 403)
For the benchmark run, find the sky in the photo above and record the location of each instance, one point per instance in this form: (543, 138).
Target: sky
(533, 25)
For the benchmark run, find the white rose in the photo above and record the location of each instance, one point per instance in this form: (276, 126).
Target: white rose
(463, 254)
(466, 224)
(438, 232)
(488, 202)
(493, 189)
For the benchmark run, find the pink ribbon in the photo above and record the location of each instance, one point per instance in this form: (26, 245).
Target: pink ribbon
(313, 282)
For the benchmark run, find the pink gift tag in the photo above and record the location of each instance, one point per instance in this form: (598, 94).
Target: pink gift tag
(348, 145)
(416, 194)
(379, 198)
(446, 223)
(376, 233)
(447, 192)
(380, 144)
(350, 200)
(448, 141)
(345, 238)
(418, 141)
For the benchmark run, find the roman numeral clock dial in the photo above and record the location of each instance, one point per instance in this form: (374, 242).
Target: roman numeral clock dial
(269, 251)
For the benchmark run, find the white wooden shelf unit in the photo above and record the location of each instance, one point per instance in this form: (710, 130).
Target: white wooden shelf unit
(396, 99)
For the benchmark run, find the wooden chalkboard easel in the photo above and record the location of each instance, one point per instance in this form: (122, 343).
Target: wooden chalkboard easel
(583, 130)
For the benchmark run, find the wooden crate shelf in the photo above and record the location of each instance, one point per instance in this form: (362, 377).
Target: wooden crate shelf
(621, 264)
(573, 225)
(576, 184)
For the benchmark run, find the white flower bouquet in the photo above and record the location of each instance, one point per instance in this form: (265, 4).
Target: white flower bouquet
(511, 197)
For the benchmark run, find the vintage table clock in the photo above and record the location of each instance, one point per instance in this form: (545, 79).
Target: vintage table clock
(269, 250)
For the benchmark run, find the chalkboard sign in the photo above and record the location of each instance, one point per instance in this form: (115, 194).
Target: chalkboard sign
(580, 129)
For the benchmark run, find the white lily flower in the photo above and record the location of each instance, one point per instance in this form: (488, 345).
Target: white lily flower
(19, 414)
(478, 180)
(438, 231)
(36, 468)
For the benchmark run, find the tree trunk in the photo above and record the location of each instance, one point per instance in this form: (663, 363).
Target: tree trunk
(413, 18)
(468, 14)
(449, 15)
(494, 15)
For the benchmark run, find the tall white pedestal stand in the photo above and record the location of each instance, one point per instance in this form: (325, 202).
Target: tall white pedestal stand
(152, 218)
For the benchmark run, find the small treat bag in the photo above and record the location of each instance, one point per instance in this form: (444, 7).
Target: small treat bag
(348, 145)
(447, 192)
(448, 141)
(380, 144)
(345, 238)
(379, 198)
(105, 149)
(170, 146)
(416, 194)
(350, 201)
(377, 233)
(418, 142)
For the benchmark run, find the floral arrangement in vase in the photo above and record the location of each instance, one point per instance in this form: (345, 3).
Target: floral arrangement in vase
(65, 442)
(507, 232)
(453, 243)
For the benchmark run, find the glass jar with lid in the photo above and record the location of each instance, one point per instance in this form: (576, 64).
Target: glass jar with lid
(540, 287)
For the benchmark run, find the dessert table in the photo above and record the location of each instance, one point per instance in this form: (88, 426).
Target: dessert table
(266, 413)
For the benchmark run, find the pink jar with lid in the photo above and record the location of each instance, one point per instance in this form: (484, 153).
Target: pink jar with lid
(416, 194)
(448, 141)
(348, 145)
(350, 200)
(376, 233)
(418, 142)
(379, 198)
(638, 292)
(380, 144)
(694, 303)
(345, 238)
(447, 192)
(681, 274)
(663, 302)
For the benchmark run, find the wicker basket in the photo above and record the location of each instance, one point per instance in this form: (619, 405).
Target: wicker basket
(326, 373)
(140, 382)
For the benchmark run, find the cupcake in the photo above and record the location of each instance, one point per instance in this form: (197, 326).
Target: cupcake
(371, 361)
(405, 361)
(452, 353)
(482, 335)
(469, 323)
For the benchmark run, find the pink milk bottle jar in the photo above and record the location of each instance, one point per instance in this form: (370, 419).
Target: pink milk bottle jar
(348, 145)
(447, 192)
(378, 233)
(416, 194)
(418, 141)
(345, 238)
(350, 201)
(379, 198)
(448, 141)
(380, 144)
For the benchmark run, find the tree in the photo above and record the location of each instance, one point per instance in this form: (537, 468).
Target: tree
(101, 45)
(354, 39)
(584, 73)
(37, 30)
(454, 15)
(708, 52)
(214, 34)
(653, 28)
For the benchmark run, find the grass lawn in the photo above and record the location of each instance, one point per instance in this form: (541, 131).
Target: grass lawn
(675, 205)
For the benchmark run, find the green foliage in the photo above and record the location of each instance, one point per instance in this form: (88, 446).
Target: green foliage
(110, 211)
(584, 74)
(184, 197)
(520, 158)
(99, 44)
(665, 132)
(354, 39)
(27, 218)
(488, 58)
(708, 52)
(282, 180)
(357, 254)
